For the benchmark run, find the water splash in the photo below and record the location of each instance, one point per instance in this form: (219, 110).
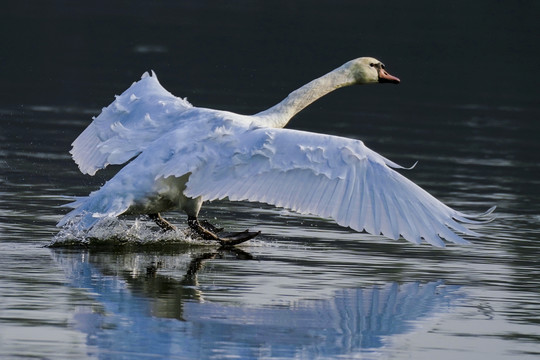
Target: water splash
(120, 232)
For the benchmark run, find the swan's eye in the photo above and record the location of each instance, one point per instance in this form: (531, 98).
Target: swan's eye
(372, 64)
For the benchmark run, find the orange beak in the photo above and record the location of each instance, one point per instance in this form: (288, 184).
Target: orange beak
(385, 77)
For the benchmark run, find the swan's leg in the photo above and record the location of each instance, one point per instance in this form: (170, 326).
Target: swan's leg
(196, 226)
(208, 226)
(226, 241)
(207, 231)
(191, 207)
(162, 223)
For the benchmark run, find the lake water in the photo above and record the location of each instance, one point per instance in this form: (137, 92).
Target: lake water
(467, 110)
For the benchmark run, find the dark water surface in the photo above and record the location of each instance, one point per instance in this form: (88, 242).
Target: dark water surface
(467, 110)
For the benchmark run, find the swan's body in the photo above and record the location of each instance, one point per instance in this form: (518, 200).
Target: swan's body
(187, 155)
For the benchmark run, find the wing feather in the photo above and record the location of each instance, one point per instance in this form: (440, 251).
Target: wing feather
(142, 114)
(327, 176)
(355, 209)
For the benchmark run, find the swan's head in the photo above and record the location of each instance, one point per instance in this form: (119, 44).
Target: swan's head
(368, 70)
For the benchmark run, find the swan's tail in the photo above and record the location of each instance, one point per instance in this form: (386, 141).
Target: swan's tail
(88, 210)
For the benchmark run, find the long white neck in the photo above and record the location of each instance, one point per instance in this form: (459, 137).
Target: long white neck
(279, 115)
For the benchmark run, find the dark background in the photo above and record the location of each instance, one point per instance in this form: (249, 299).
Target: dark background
(66, 52)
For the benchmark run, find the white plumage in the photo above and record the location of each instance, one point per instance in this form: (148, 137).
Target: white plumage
(142, 114)
(187, 155)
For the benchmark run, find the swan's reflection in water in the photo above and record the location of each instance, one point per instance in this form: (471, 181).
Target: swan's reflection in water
(140, 307)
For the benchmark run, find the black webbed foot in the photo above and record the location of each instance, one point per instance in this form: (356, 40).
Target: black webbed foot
(237, 238)
(226, 240)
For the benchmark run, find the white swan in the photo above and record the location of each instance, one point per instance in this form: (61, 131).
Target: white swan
(183, 155)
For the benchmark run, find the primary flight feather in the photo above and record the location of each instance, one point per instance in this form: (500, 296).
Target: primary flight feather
(183, 155)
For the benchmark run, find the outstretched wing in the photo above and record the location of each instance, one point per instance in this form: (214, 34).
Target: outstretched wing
(143, 113)
(328, 176)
